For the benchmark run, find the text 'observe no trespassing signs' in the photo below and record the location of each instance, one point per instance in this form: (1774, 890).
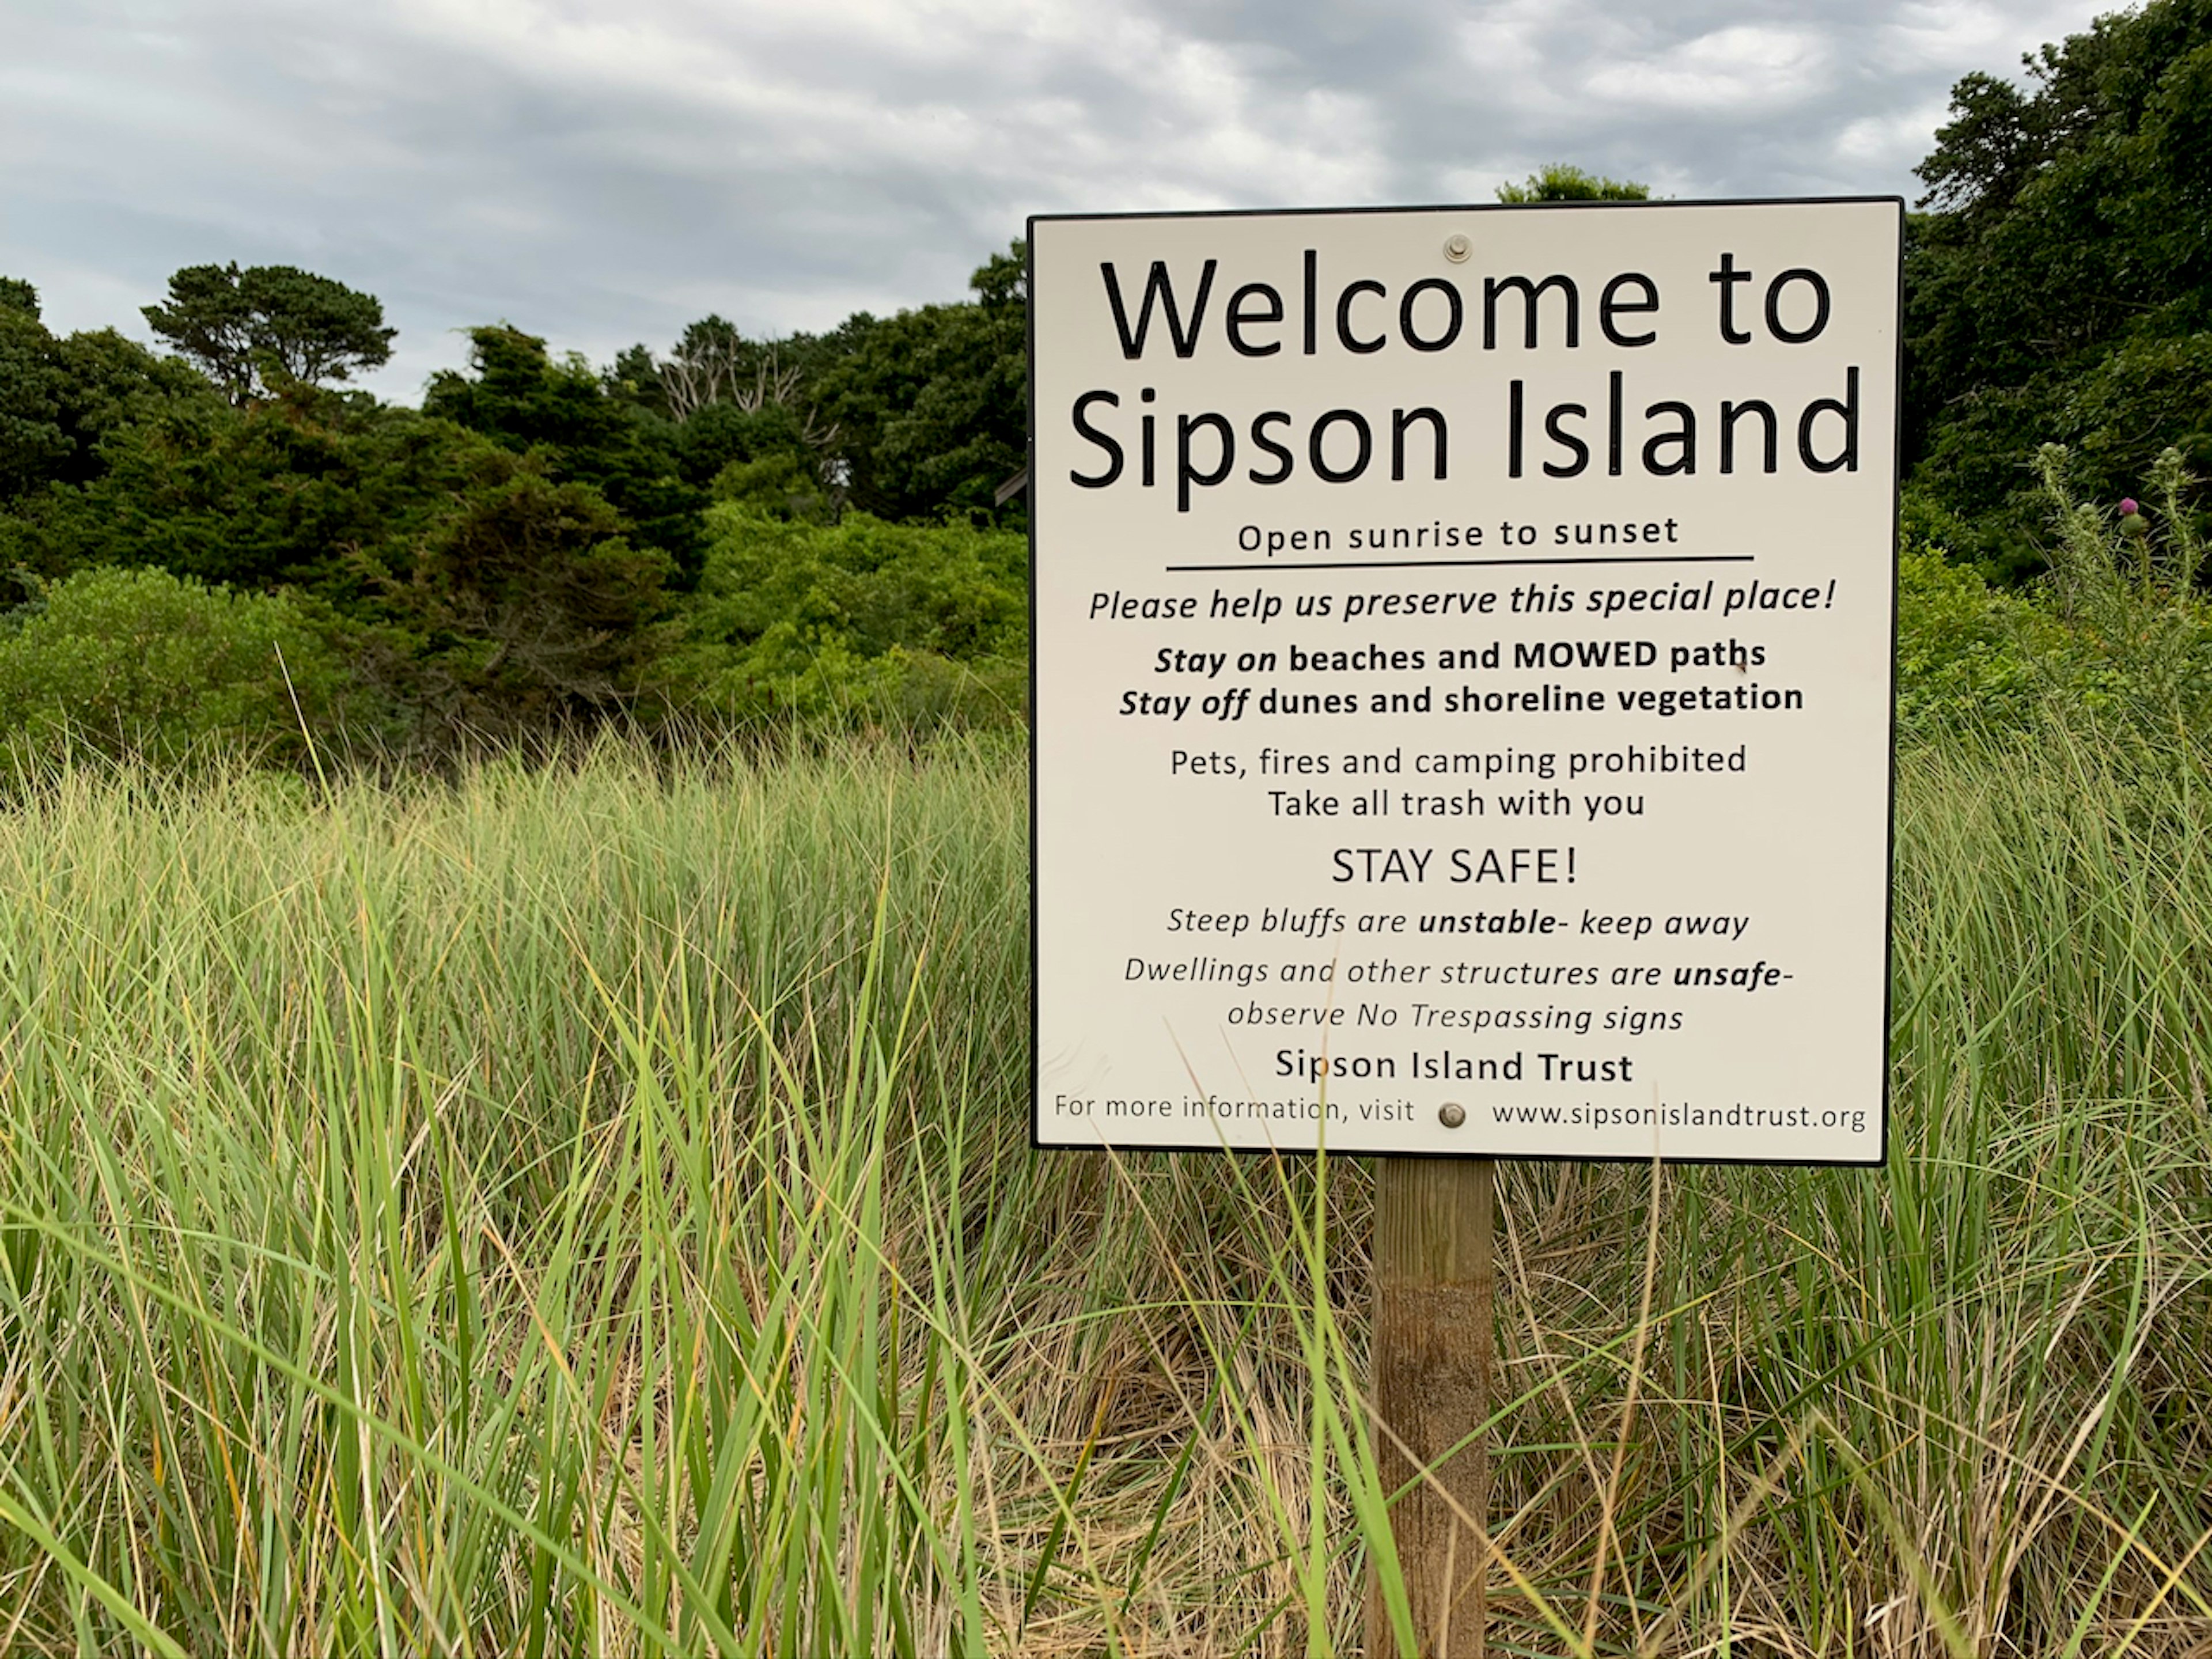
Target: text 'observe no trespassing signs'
(1462, 679)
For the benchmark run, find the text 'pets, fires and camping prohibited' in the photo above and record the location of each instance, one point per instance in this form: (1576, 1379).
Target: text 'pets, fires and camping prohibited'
(1463, 679)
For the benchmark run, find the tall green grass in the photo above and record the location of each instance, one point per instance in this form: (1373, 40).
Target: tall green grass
(587, 1209)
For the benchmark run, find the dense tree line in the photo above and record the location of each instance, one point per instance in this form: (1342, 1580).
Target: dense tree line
(544, 540)
(2059, 282)
(541, 541)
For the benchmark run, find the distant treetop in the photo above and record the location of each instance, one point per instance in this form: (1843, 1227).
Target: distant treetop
(1560, 182)
(250, 331)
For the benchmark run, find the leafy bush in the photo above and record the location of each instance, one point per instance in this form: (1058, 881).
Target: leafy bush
(518, 394)
(521, 608)
(2116, 630)
(781, 484)
(1966, 652)
(906, 623)
(283, 492)
(1560, 181)
(143, 663)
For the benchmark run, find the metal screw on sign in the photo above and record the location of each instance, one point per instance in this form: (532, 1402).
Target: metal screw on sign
(1457, 246)
(1451, 1113)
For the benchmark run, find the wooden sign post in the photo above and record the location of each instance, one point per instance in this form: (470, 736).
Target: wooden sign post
(1433, 1331)
(1461, 670)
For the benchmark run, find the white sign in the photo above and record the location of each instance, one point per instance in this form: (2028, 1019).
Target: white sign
(1462, 673)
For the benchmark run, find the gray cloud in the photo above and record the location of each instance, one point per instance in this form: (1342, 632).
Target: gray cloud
(602, 174)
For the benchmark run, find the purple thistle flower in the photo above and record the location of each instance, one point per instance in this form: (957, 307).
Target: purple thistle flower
(2128, 506)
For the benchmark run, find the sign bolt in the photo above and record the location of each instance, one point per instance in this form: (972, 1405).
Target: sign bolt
(1452, 1113)
(1457, 247)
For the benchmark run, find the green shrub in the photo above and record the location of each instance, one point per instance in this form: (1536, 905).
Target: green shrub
(906, 624)
(2116, 630)
(1966, 652)
(782, 485)
(522, 608)
(144, 663)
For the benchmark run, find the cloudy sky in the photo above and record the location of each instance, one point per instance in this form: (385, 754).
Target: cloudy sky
(602, 173)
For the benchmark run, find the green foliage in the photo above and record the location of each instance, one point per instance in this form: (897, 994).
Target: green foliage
(18, 295)
(2116, 637)
(781, 485)
(33, 445)
(2115, 415)
(2063, 288)
(633, 380)
(2139, 630)
(931, 405)
(725, 434)
(860, 618)
(2152, 392)
(1965, 653)
(918, 415)
(722, 401)
(480, 594)
(292, 491)
(60, 396)
(522, 608)
(502, 560)
(1560, 182)
(253, 331)
(517, 393)
(140, 664)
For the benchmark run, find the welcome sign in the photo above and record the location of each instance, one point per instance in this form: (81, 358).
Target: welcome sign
(1463, 679)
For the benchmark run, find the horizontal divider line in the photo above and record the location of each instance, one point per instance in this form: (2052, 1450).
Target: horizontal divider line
(1451, 564)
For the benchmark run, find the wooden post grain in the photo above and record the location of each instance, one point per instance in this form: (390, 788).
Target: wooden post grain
(1432, 1382)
